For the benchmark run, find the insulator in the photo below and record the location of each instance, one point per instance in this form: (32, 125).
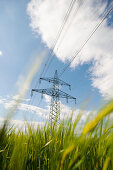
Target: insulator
(31, 93)
(42, 96)
(39, 81)
(67, 100)
(75, 101)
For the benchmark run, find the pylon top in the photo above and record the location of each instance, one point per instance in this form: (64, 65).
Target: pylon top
(56, 75)
(55, 94)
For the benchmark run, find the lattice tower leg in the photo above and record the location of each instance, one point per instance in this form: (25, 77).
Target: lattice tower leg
(54, 110)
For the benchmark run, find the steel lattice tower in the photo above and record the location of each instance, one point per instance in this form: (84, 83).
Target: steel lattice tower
(55, 94)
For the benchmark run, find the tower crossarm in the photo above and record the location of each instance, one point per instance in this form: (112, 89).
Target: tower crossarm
(52, 80)
(50, 91)
(54, 92)
(65, 95)
(56, 80)
(61, 82)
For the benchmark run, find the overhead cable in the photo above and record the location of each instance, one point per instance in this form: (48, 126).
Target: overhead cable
(86, 41)
(55, 42)
(60, 41)
(58, 35)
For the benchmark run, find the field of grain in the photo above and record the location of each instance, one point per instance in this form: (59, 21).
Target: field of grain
(60, 147)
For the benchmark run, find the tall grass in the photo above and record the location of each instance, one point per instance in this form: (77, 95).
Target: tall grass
(60, 147)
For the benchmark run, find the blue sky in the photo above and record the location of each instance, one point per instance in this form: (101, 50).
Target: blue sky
(23, 37)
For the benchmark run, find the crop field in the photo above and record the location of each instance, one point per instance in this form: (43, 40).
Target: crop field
(60, 147)
(56, 84)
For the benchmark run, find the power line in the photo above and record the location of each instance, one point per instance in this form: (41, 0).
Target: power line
(59, 34)
(90, 35)
(55, 94)
(60, 31)
(75, 13)
(59, 43)
(57, 38)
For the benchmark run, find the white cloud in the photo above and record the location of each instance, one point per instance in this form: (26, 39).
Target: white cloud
(21, 124)
(47, 98)
(66, 111)
(1, 53)
(46, 19)
(43, 114)
(16, 97)
(10, 103)
(65, 114)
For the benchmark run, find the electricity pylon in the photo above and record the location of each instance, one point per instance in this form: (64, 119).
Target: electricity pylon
(55, 94)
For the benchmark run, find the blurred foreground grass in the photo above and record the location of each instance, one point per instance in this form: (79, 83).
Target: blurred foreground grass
(60, 147)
